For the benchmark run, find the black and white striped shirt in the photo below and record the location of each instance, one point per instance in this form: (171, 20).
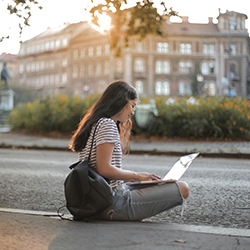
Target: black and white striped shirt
(106, 132)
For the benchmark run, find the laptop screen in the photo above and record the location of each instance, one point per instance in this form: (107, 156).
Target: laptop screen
(180, 167)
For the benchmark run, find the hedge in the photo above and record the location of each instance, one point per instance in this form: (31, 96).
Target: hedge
(216, 117)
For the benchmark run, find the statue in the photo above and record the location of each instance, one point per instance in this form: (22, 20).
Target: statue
(5, 76)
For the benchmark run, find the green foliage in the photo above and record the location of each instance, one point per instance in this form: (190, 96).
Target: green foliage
(140, 21)
(58, 113)
(215, 117)
(22, 9)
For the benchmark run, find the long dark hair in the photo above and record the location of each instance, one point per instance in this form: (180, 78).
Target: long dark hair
(112, 101)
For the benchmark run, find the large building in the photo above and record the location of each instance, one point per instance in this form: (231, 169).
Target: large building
(76, 59)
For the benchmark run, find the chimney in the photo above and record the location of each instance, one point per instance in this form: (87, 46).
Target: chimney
(184, 19)
(210, 20)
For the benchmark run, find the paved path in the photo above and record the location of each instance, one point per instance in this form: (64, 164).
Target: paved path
(209, 148)
(29, 230)
(22, 230)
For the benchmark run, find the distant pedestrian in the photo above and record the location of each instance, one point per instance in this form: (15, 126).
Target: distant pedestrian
(111, 114)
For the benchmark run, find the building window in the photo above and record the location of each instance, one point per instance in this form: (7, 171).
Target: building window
(42, 80)
(82, 71)
(162, 67)
(185, 88)
(162, 48)
(21, 68)
(107, 49)
(162, 88)
(91, 51)
(47, 46)
(52, 64)
(207, 68)
(51, 79)
(42, 65)
(57, 79)
(209, 89)
(52, 45)
(64, 62)
(65, 42)
(233, 49)
(98, 50)
(28, 67)
(185, 48)
(33, 67)
(185, 67)
(64, 78)
(90, 70)
(98, 69)
(37, 66)
(139, 66)
(139, 86)
(139, 47)
(75, 71)
(208, 49)
(47, 80)
(58, 43)
(106, 68)
(75, 53)
(119, 66)
(82, 53)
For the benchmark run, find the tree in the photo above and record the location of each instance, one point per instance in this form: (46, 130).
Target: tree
(141, 20)
(22, 9)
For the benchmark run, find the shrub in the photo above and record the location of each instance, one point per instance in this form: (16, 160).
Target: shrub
(217, 117)
(58, 113)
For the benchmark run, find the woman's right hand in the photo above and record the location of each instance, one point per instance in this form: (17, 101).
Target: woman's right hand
(144, 176)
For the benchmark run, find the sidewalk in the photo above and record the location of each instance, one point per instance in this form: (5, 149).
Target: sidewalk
(235, 149)
(31, 230)
(20, 231)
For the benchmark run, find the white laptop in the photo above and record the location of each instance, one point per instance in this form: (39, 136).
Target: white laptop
(175, 173)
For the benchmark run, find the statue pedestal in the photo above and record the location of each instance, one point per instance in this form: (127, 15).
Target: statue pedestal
(7, 100)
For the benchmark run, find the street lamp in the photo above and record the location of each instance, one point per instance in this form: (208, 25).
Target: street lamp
(200, 79)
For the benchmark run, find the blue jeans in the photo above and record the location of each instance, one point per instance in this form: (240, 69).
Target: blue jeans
(140, 203)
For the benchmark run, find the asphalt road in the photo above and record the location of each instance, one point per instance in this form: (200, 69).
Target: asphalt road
(33, 180)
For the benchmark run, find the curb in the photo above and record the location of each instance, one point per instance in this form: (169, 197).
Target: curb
(138, 152)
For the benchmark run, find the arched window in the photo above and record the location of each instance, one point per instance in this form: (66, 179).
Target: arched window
(75, 71)
(162, 88)
(90, 69)
(139, 86)
(98, 69)
(207, 68)
(204, 68)
(158, 67)
(98, 50)
(162, 67)
(185, 88)
(166, 67)
(185, 67)
(139, 65)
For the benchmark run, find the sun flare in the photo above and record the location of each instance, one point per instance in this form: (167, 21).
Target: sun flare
(104, 22)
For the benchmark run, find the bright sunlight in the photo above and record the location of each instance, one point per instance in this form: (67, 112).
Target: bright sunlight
(104, 22)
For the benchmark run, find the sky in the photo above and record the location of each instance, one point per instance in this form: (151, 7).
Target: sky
(56, 12)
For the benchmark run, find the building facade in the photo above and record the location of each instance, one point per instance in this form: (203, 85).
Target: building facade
(191, 58)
